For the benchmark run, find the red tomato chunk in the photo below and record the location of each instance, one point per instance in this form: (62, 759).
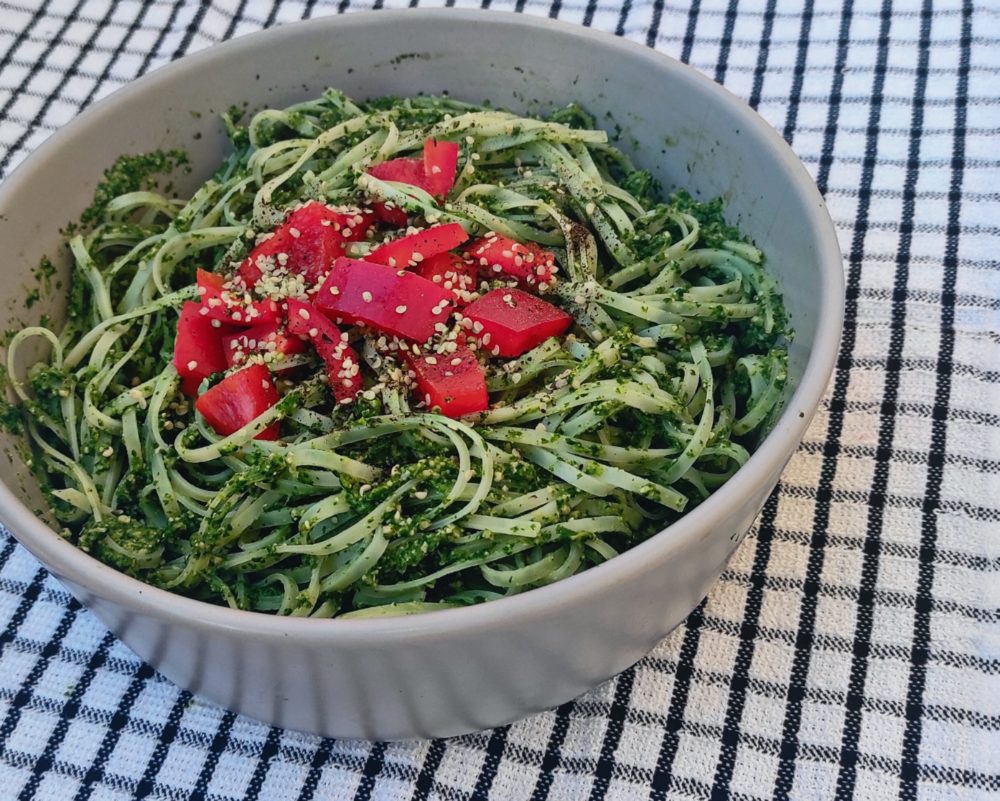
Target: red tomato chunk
(266, 338)
(307, 243)
(440, 166)
(239, 399)
(401, 170)
(411, 250)
(509, 322)
(404, 171)
(396, 302)
(450, 272)
(455, 382)
(198, 348)
(228, 307)
(343, 367)
(529, 263)
(390, 215)
(434, 173)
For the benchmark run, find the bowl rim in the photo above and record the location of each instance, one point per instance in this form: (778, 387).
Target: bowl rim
(67, 561)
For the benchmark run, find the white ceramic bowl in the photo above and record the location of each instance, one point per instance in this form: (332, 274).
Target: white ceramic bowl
(458, 670)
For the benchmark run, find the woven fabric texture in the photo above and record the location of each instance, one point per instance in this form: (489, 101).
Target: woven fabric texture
(852, 647)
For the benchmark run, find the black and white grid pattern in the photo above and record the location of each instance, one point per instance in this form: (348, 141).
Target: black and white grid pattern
(852, 648)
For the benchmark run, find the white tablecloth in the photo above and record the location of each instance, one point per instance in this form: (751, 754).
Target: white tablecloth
(850, 650)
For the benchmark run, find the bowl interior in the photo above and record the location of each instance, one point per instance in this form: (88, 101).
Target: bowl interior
(672, 121)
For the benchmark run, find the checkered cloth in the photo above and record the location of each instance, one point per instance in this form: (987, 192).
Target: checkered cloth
(851, 650)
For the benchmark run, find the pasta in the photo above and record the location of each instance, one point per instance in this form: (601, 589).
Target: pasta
(590, 441)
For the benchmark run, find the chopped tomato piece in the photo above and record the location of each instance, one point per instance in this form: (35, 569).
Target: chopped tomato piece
(198, 347)
(210, 285)
(513, 322)
(410, 250)
(239, 399)
(264, 338)
(401, 170)
(455, 382)
(229, 307)
(390, 215)
(450, 272)
(397, 302)
(343, 367)
(307, 243)
(440, 166)
(404, 171)
(434, 173)
(528, 262)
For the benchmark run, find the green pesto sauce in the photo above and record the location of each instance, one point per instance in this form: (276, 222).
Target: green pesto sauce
(217, 546)
(131, 173)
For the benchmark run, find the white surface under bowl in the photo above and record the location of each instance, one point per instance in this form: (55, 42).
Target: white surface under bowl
(457, 670)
